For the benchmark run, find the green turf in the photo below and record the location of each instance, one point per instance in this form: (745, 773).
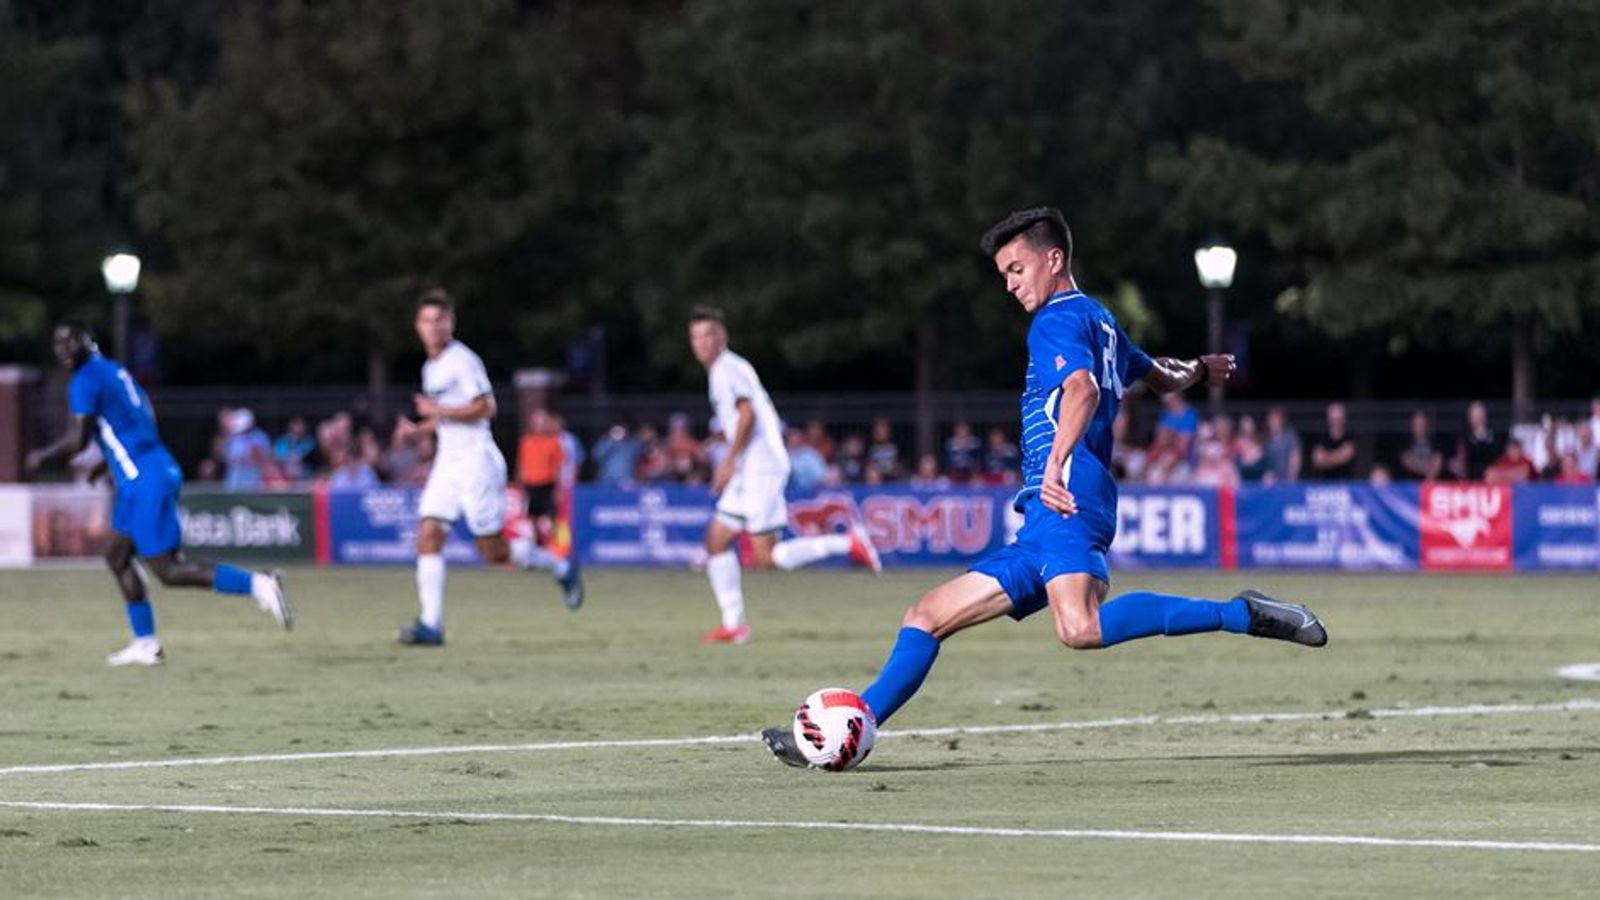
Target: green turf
(519, 668)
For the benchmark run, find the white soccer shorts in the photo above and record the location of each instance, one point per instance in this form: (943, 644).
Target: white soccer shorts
(472, 489)
(754, 502)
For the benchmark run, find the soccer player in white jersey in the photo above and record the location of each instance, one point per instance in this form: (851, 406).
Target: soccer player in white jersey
(749, 482)
(468, 479)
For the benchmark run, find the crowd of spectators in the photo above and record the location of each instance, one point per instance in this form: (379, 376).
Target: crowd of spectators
(642, 454)
(1183, 447)
(1186, 448)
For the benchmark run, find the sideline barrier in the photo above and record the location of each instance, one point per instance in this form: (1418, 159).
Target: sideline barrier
(1315, 527)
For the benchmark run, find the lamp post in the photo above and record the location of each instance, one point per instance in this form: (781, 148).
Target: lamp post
(121, 272)
(1215, 262)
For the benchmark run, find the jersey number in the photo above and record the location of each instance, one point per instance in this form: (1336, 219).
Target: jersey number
(1109, 379)
(133, 389)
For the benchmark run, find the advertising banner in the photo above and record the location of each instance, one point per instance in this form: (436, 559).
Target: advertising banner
(71, 522)
(377, 526)
(1466, 526)
(1168, 527)
(666, 525)
(1327, 526)
(1555, 527)
(16, 526)
(249, 527)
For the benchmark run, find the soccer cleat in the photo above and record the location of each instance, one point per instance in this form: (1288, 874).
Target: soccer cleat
(572, 585)
(782, 744)
(267, 588)
(722, 634)
(1275, 619)
(862, 552)
(142, 652)
(419, 635)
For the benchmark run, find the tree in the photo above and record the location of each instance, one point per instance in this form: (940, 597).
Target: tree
(824, 169)
(52, 228)
(345, 155)
(1456, 191)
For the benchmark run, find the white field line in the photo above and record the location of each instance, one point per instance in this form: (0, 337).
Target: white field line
(1580, 672)
(1426, 712)
(1207, 837)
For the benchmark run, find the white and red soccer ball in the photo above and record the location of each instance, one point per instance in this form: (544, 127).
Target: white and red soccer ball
(834, 729)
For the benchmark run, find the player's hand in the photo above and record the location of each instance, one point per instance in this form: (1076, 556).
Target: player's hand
(426, 406)
(32, 462)
(1054, 494)
(721, 477)
(1219, 367)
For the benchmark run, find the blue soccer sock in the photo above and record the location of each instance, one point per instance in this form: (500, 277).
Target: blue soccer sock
(909, 662)
(231, 580)
(142, 618)
(1144, 614)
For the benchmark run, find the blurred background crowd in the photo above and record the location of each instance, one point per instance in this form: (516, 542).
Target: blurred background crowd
(1177, 444)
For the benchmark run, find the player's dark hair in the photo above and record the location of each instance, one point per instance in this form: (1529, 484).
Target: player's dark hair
(79, 328)
(707, 314)
(439, 297)
(1042, 227)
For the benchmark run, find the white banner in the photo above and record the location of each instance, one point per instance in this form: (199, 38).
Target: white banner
(16, 526)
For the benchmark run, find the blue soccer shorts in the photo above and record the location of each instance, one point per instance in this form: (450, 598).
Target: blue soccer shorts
(146, 508)
(1047, 546)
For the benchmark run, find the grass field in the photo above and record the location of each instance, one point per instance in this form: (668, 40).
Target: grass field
(1134, 751)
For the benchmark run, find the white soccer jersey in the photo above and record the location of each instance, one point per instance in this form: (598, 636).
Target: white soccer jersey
(733, 379)
(455, 378)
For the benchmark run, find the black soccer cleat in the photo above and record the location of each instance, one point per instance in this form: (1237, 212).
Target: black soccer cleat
(1281, 621)
(781, 742)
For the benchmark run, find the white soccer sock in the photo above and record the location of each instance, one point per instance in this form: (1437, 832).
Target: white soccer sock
(803, 551)
(723, 570)
(430, 589)
(529, 555)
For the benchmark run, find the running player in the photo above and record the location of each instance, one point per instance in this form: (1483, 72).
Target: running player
(468, 478)
(1079, 362)
(107, 404)
(749, 482)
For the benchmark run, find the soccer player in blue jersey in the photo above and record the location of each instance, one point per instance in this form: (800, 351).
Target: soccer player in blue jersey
(108, 405)
(1079, 364)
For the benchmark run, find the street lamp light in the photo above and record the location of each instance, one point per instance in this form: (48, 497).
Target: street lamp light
(121, 272)
(1215, 262)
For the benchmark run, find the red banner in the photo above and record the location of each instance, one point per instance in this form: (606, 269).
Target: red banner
(1466, 526)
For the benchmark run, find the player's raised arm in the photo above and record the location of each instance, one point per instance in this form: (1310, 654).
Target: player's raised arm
(1167, 375)
(71, 442)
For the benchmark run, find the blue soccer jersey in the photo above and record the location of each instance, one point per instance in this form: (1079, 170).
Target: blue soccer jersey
(147, 477)
(1070, 332)
(124, 422)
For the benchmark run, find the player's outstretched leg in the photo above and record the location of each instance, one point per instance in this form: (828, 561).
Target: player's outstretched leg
(1144, 614)
(175, 569)
(803, 551)
(960, 603)
(529, 555)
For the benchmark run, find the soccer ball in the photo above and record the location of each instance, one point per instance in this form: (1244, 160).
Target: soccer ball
(834, 729)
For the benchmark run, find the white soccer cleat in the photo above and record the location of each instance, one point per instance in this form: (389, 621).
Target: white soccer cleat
(142, 652)
(267, 588)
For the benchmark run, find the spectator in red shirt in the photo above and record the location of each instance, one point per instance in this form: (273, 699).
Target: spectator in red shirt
(1513, 466)
(1572, 472)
